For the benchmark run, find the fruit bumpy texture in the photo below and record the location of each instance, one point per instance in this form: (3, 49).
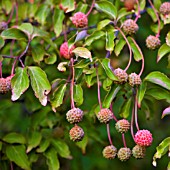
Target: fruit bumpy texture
(122, 126)
(76, 133)
(80, 20)
(109, 152)
(65, 52)
(124, 154)
(74, 115)
(105, 115)
(130, 27)
(152, 42)
(138, 152)
(122, 75)
(134, 79)
(143, 138)
(165, 8)
(5, 84)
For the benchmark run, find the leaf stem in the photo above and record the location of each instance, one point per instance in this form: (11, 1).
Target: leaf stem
(19, 58)
(130, 49)
(157, 16)
(108, 134)
(138, 15)
(72, 83)
(11, 14)
(143, 64)
(98, 88)
(131, 124)
(92, 6)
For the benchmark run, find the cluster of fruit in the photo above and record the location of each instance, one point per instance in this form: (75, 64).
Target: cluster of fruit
(5, 84)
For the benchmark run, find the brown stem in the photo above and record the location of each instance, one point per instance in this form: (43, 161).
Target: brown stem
(143, 64)
(19, 58)
(72, 83)
(157, 16)
(92, 6)
(130, 49)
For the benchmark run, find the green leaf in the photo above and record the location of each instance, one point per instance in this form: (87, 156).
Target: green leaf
(110, 36)
(52, 160)
(58, 18)
(103, 23)
(108, 8)
(159, 79)
(107, 84)
(159, 94)
(68, 5)
(51, 58)
(126, 109)
(2, 42)
(106, 65)
(45, 143)
(119, 46)
(93, 37)
(58, 96)
(37, 53)
(83, 144)
(162, 149)
(141, 93)
(61, 148)
(27, 28)
(7, 6)
(168, 39)
(166, 112)
(142, 4)
(78, 94)
(110, 96)
(151, 12)
(39, 83)
(19, 83)
(163, 50)
(14, 138)
(39, 33)
(1, 146)
(34, 140)
(157, 4)
(122, 13)
(18, 155)
(137, 53)
(14, 34)
(42, 13)
(82, 52)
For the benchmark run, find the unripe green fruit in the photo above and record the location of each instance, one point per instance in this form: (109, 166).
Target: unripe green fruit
(134, 79)
(74, 115)
(122, 126)
(121, 75)
(130, 27)
(138, 151)
(124, 154)
(76, 133)
(105, 115)
(109, 152)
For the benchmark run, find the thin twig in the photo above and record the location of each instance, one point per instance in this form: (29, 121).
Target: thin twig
(138, 15)
(19, 58)
(92, 6)
(130, 49)
(136, 111)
